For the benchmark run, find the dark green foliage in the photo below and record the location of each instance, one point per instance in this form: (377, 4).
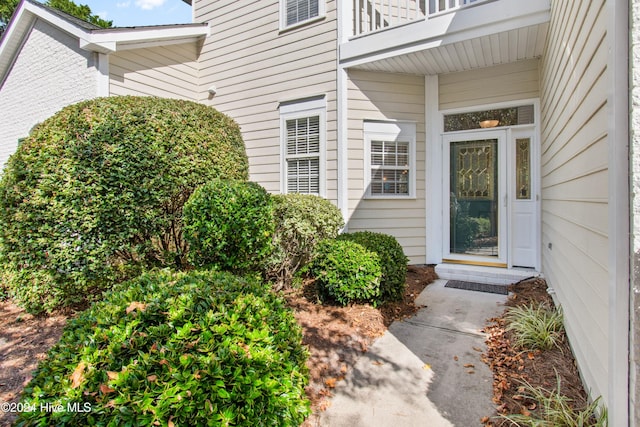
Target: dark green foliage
(392, 261)
(229, 225)
(81, 11)
(346, 272)
(8, 7)
(302, 221)
(198, 348)
(95, 193)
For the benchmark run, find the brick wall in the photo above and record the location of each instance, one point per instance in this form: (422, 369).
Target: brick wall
(50, 72)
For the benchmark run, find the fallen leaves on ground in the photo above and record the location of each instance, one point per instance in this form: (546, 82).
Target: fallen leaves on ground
(511, 366)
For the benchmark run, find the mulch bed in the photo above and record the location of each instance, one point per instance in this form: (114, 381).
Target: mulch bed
(24, 341)
(539, 368)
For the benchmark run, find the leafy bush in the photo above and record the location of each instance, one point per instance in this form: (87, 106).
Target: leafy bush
(229, 225)
(301, 222)
(392, 261)
(197, 348)
(535, 326)
(95, 193)
(346, 272)
(556, 409)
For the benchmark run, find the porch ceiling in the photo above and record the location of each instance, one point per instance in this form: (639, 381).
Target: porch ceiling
(484, 51)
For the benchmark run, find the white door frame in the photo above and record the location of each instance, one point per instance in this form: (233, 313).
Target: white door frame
(506, 198)
(500, 135)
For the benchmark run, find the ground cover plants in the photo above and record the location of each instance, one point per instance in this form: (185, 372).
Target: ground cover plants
(192, 348)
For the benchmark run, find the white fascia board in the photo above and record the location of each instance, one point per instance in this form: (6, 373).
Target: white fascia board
(465, 24)
(119, 39)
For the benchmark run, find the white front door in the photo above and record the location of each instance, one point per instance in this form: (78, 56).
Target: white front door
(490, 216)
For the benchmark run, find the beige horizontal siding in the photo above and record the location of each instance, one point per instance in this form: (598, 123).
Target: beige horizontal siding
(382, 96)
(255, 67)
(164, 71)
(502, 83)
(575, 180)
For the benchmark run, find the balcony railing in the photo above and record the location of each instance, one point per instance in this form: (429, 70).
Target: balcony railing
(373, 15)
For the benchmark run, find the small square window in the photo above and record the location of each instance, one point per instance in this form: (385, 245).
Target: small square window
(390, 159)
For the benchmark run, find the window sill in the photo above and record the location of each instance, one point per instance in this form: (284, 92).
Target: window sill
(388, 197)
(301, 24)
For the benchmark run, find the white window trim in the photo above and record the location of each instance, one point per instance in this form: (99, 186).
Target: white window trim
(397, 131)
(283, 16)
(298, 110)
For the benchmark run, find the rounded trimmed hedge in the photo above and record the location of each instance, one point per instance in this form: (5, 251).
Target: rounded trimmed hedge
(392, 260)
(229, 225)
(197, 348)
(345, 272)
(301, 222)
(95, 193)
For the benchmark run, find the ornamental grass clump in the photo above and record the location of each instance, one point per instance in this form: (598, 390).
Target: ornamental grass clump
(535, 326)
(94, 194)
(553, 409)
(186, 349)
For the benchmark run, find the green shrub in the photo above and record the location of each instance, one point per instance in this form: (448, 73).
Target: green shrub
(346, 272)
(95, 193)
(392, 261)
(301, 222)
(197, 348)
(229, 225)
(535, 326)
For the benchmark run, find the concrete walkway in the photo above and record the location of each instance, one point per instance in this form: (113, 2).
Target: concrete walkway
(415, 375)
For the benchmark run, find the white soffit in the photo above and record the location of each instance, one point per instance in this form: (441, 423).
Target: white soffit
(486, 51)
(487, 34)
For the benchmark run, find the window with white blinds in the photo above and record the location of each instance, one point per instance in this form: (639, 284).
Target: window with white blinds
(302, 127)
(390, 167)
(390, 159)
(298, 11)
(303, 155)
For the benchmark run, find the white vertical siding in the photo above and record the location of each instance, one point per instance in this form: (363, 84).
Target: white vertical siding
(255, 66)
(50, 72)
(383, 96)
(166, 71)
(575, 179)
(502, 83)
(634, 400)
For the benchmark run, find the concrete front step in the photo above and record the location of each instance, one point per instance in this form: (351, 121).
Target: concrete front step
(480, 274)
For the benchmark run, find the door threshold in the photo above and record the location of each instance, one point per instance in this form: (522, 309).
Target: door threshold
(478, 263)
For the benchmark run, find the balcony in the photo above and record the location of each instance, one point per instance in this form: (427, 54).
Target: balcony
(442, 36)
(374, 15)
